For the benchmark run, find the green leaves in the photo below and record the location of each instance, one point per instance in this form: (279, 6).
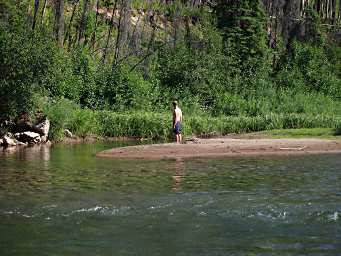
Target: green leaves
(216, 63)
(243, 27)
(309, 67)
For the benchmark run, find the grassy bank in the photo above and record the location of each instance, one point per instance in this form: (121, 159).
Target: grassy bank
(85, 122)
(321, 133)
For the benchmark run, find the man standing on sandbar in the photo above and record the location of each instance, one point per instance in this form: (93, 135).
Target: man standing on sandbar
(177, 120)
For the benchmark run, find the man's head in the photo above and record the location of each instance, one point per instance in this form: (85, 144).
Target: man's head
(175, 103)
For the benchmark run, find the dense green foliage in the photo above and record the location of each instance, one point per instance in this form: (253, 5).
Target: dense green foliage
(84, 122)
(217, 63)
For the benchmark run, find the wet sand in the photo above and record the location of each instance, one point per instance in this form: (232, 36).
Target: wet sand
(219, 147)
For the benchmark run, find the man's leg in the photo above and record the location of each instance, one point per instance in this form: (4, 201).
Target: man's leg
(180, 137)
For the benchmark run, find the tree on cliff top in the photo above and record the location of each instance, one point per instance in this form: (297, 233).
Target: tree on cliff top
(243, 25)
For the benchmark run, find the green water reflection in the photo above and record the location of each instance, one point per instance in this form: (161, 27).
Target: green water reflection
(62, 200)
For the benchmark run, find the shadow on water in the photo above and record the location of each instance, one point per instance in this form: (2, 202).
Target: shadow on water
(62, 200)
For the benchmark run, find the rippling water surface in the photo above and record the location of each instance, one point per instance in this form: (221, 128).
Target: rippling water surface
(62, 200)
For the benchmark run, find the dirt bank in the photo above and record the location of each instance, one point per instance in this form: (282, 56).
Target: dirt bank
(225, 147)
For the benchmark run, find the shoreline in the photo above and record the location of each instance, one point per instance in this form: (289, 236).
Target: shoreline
(91, 139)
(225, 147)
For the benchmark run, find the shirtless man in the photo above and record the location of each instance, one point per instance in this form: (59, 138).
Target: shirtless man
(177, 120)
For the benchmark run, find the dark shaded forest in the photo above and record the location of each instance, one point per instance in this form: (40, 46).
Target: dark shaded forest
(112, 67)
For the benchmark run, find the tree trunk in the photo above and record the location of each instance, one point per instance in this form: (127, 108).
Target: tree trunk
(122, 30)
(188, 33)
(135, 36)
(146, 59)
(36, 7)
(68, 33)
(318, 6)
(82, 25)
(111, 25)
(176, 31)
(59, 22)
(334, 12)
(43, 11)
(94, 34)
(29, 13)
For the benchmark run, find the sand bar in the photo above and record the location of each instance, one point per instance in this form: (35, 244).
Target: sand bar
(225, 147)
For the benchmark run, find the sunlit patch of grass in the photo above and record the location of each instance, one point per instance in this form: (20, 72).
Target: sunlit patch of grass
(323, 133)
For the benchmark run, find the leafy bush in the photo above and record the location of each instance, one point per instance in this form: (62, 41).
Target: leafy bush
(229, 104)
(60, 112)
(25, 61)
(83, 122)
(126, 89)
(338, 129)
(309, 68)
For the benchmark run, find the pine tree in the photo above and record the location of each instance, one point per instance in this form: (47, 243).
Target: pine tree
(243, 24)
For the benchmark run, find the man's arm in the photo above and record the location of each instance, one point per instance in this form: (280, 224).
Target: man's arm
(174, 117)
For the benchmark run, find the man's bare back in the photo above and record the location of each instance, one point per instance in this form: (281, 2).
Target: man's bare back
(177, 121)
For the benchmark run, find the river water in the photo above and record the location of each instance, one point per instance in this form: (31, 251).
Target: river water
(62, 200)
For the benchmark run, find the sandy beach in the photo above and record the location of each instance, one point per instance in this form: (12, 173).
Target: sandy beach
(225, 147)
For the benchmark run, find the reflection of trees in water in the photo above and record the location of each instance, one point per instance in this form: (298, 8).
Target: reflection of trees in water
(36, 152)
(33, 169)
(39, 152)
(10, 151)
(24, 172)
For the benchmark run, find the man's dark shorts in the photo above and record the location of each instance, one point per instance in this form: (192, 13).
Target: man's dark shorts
(177, 129)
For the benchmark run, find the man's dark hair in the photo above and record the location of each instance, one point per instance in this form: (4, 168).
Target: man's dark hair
(175, 103)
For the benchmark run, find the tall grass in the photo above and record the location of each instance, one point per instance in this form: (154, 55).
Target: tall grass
(136, 124)
(238, 124)
(83, 122)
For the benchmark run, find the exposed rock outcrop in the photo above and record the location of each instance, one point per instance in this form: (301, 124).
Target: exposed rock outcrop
(43, 127)
(27, 133)
(9, 140)
(28, 137)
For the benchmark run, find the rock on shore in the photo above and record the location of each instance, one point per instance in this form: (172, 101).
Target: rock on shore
(32, 134)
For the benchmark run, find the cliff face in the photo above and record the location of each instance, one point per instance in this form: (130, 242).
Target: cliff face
(287, 17)
(112, 26)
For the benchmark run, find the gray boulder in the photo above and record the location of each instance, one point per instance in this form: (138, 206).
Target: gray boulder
(43, 127)
(67, 133)
(19, 143)
(28, 137)
(8, 140)
(44, 139)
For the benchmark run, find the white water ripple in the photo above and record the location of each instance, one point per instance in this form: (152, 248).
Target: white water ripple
(103, 210)
(334, 216)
